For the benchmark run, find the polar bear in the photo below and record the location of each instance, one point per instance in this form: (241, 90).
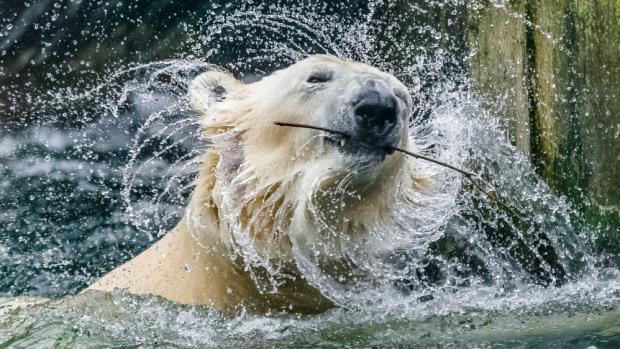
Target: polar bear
(266, 193)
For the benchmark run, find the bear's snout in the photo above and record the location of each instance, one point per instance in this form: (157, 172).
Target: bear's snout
(376, 113)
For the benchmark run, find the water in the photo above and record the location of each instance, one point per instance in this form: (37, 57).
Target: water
(97, 166)
(569, 318)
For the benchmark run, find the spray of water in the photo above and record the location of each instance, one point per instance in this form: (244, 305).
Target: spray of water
(116, 159)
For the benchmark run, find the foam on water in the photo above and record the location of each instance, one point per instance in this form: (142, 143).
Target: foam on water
(109, 168)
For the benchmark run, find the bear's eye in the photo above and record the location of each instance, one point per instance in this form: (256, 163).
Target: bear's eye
(319, 78)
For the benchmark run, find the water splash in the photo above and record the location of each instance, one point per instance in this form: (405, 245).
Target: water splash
(91, 173)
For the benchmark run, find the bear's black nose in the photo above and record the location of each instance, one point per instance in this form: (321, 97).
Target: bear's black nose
(377, 113)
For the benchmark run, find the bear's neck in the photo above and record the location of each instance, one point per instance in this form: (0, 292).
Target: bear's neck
(272, 225)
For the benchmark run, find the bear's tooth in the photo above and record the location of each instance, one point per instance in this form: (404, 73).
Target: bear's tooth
(343, 141)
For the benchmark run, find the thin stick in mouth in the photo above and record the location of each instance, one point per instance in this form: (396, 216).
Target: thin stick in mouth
(318, 128)
(472, 177)
(347, 137)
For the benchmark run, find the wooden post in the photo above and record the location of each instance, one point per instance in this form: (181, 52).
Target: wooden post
(555, 67)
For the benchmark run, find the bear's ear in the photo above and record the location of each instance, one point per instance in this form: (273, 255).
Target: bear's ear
(209, 88)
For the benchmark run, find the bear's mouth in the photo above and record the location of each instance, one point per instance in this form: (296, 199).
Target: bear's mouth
(348, 144)
(356, 147)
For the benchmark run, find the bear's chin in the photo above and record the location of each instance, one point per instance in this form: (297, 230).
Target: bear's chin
(365, 156)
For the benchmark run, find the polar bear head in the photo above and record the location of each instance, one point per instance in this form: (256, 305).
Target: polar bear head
(279, 189)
